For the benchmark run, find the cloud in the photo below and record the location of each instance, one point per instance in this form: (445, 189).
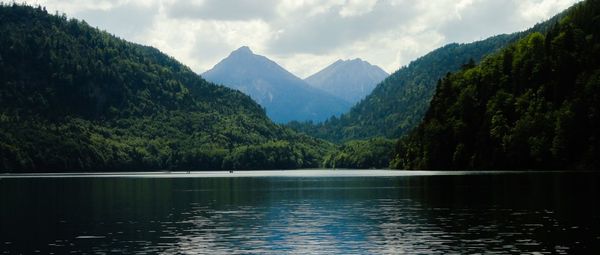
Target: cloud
(306, 35)
(222, 9)
(478, 20)
(357, 7)
(200, 44)
(533, 11)
(129, 20)
(336, 26)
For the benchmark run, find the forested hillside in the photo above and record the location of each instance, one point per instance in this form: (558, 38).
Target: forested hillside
(533, 105)
(76, 98)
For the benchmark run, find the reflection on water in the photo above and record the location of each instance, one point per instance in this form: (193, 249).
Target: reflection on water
(503, 213)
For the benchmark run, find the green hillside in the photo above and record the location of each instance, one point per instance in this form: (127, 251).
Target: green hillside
(534, 105)
(74, 98)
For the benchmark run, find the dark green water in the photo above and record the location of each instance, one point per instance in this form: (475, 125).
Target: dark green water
(437, 214)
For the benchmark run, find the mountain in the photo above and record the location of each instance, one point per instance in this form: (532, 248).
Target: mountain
(398, 103)
(284, 96)
(73, 98)
(350, 80)
(533, 105)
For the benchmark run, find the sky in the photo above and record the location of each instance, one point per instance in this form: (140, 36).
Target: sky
(305, 36)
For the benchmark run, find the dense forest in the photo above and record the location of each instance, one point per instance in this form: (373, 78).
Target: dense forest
(74, 98)
(533, 105)
(361, 154)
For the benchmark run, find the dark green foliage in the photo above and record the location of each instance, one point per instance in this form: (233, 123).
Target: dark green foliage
(361, 154)
(76, 98)
(534, 105)
(271, 155)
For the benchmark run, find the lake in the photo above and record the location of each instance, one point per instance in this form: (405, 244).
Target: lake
(304, 211)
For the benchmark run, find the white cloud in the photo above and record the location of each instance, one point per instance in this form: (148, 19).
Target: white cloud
(221, 9)
(202, 43)
(306, 35)
(533, 11)
(306, 8)
(357, 7)
(75, 6)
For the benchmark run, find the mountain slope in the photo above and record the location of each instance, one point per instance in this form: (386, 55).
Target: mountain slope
(284, 96)
(350, 80)
(398, 104)
(75, 98)
(534, 105)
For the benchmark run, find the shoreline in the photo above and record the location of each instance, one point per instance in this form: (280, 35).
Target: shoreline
(276, 173)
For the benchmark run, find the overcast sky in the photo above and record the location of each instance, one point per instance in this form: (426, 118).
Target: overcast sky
(306, 35)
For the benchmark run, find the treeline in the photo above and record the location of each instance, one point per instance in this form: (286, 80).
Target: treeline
(534, 105)
(73, 98)
(361, 154)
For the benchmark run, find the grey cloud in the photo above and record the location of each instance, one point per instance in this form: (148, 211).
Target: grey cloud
(209, 52)
(127, 21)
(223, 9)
(482, 20)
(326, 31)
(320, 35)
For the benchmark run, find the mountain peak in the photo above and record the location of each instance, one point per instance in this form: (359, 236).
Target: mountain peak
(243, 50)
(350, 79)
(284, 96)
(356, 60)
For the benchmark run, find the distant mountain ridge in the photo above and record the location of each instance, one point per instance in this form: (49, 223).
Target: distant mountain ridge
(350, 80)
(284, 96)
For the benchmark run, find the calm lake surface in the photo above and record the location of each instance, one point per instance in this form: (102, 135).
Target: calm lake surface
(307, 211)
